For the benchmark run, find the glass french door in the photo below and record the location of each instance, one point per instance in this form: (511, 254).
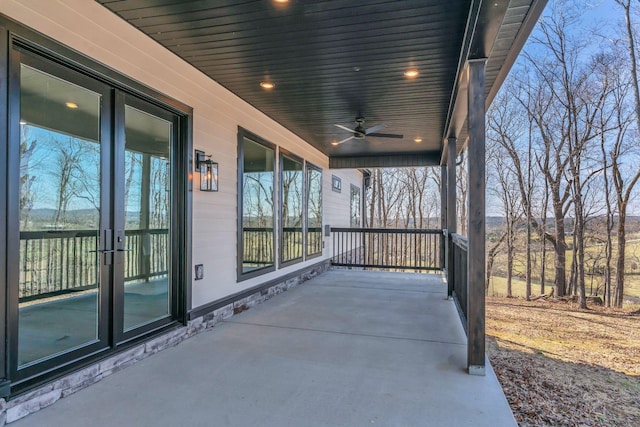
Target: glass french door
(60, 292)
(144, 292)
(93, 193)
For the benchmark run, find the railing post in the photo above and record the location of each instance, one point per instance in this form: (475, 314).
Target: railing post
(443, 216)
(443, 250)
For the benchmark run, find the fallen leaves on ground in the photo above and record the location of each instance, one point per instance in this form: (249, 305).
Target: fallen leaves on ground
(562, 366)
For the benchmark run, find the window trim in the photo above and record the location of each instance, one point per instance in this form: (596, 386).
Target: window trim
(281, 155)
(309, 166)
(240, 276)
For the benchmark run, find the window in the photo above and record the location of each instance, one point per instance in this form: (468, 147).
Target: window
(291, 188)
(355, 207)
(256, 179)
(298, 215)
(314, 211)
(336, 184)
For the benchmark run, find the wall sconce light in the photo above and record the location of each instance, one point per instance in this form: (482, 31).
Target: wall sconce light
(208, 172)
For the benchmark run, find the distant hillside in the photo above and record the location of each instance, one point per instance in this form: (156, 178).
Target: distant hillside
(40, 219)
(632, 225)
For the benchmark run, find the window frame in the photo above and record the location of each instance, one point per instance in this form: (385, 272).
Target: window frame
(281, 155)
(308, 167)
(240, 275)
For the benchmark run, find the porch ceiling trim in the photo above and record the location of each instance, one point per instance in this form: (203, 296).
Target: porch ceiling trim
(387, 161)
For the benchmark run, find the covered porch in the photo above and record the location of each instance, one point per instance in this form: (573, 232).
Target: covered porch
(349, 347)
(322, 90)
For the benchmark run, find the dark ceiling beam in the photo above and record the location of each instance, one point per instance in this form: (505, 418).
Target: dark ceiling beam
(469, 31)
(429, 158)
(458, 116)
(490, 16)
(487, 27)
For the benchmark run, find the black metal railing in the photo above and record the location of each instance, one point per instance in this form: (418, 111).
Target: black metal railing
(257, 246)
(314, 240)
(68, 260)
(393, 249)
(459, 246)
(291, 243)
(146, 253)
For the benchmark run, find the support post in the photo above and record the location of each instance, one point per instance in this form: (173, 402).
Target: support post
(443, 216)
(476, 218)
(452, 220)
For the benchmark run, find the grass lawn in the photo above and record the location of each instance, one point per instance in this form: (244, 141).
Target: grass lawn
(498, 286)
(594, 255)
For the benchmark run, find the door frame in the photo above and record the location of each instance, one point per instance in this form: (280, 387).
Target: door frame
(18, 57)
(15, 35)
(122, 100)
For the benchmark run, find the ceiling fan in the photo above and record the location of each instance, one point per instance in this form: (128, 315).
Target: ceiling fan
(360, 132)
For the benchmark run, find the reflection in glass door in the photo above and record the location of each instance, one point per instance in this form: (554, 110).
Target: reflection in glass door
(147, 217)
(60, 272)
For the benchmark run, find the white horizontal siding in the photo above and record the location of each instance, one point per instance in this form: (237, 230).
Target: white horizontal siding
(91, 29)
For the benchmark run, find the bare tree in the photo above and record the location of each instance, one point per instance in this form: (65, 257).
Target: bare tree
(461, 193)
(27, 194)
(69, 154)
(623, 193)
(564, 108)
(512, 209)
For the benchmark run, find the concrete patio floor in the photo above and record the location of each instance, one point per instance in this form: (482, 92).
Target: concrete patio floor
(348, 348)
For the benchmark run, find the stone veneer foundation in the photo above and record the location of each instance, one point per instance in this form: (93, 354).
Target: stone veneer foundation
(43, 396)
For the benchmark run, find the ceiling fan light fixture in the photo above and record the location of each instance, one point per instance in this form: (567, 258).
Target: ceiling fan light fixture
(267, 85)
(361, 133)
(411, 73)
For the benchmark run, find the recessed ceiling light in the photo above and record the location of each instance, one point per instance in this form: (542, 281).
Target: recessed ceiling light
(334, 142)
(23, 122)
(267, 85)
(411, 73)
(71, 105)
(417, 139)
(281, 1)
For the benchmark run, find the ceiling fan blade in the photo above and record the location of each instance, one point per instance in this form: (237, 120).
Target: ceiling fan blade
(345, 128)
(385, 135)
(343, 141)
(375, 129)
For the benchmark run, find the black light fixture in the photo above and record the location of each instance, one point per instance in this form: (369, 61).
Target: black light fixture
(208, 172)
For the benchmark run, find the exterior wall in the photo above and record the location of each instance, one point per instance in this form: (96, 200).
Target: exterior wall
(94, 31)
